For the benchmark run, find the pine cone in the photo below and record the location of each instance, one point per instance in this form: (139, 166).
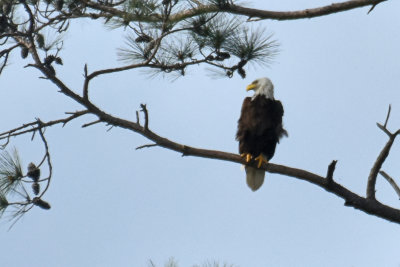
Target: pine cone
(33, 172)
(36, 188)
(41, 203)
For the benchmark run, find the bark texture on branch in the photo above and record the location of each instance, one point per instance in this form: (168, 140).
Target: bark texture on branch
(244, 11)
(306, 13)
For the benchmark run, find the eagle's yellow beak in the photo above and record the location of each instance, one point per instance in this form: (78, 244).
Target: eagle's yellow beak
(250, 86)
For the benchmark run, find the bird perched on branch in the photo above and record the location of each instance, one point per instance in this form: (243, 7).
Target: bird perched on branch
(259, 129)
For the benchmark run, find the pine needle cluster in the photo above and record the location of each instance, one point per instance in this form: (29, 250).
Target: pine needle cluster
(221, 41)
(13, 193)
(10, 171)
(163, 36)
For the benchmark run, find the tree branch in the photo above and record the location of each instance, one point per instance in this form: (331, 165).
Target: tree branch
(46, 157)
(372, 207)
(279, 15)
(331, 169)
(368, 205)
(302, 14)
(377, 166)
(387, 116)
(391, 182)
(381, 158)
(146, 146)
(239, 10)
(18, 184)
(34, 126)
(146, 116)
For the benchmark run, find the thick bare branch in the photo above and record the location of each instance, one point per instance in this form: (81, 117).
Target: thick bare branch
(368, 205)
(302, 14)
(351, 199)
(244, 11)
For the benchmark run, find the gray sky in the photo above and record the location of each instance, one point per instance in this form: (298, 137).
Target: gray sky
(115, 206)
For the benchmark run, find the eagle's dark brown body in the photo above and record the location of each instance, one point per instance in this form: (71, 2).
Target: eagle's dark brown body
(260, 126)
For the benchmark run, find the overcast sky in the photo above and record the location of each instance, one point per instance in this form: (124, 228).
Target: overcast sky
(115, 206)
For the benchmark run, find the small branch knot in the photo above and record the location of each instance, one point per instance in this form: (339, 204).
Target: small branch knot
(329, 174)
(146, 116)
(184, 151)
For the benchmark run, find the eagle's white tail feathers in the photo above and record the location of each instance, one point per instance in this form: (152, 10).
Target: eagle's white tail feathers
(254, 177)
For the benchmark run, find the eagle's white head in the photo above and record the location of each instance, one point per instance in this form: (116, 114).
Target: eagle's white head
(262, 86)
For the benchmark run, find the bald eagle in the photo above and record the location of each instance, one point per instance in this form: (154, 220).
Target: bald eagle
(259, 129)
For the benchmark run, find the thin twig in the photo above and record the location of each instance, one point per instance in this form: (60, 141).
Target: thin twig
(86, 83)
(49, 164)
(137, 117)
(391, 182)
(33, 126)
(372, 8)
(146, 116)
(91, 123)
(387, 116)
(146, 146)
(386, 131)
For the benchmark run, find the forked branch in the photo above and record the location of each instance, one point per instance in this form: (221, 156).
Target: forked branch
(381, 158)
(32, 127)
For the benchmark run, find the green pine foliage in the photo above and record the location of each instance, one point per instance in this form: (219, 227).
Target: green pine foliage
(3, 204)
(10, 171)
(223, 41)
(14, 195)
(253, 46)
(168, 35)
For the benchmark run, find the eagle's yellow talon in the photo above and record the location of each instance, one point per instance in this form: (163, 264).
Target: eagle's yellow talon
(247, 156)
(261, 160)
